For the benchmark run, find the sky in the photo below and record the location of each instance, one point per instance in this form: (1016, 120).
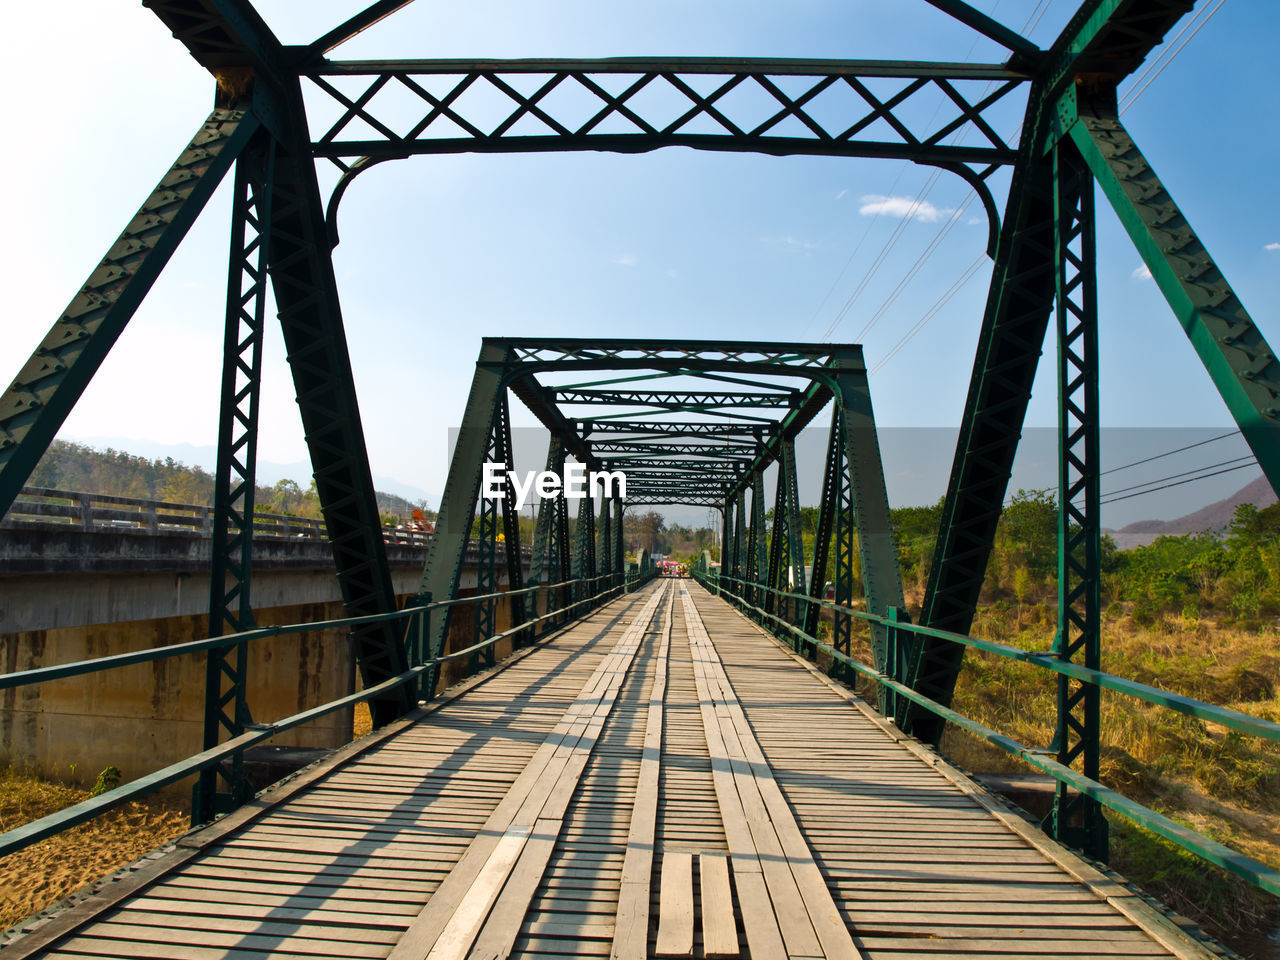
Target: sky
(437, 252)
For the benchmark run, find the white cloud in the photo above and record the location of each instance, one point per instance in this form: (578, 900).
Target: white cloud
(800, 243)
(875, 204)
(673, 273)
(1141, 273)
(974, 221)
(626, 260)
(1272, 246)
(840, 195)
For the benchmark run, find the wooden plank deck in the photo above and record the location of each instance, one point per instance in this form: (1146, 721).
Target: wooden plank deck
(658, 779)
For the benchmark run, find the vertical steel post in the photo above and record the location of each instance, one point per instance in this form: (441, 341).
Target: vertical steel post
(828, 518)
(738, 547)
(497, 451)
(226, 710)
(1077, 819)
(511, 532)
(794, 567)
(604, 547)
(546, 552)
(757, 542)
(619, 558)
(777, 546)
(584, 548)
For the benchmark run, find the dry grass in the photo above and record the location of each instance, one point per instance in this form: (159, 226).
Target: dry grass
(48, 871)
(1221, 783)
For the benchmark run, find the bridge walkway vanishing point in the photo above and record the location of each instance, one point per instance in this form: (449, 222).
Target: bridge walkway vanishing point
(660, 778)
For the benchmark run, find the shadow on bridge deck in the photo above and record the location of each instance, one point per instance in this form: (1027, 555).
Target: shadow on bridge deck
(659, 779)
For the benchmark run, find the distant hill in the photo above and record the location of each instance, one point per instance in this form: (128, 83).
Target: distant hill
(1211, 519)
(115, 473)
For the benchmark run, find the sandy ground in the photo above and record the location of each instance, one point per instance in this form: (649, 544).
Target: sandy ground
(50, 870)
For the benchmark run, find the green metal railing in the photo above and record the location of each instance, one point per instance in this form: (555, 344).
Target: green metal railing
(1256, 873)
(419, 617)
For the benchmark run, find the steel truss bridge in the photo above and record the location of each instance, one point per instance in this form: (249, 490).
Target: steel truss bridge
(694, 422)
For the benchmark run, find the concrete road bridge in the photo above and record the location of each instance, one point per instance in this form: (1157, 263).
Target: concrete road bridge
(640, 767)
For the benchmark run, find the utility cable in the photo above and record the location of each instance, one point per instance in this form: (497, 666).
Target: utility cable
(1169, 453)
(1173, 476)
(1178, 483)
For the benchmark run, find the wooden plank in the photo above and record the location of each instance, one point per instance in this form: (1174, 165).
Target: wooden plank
(719, 930)
(503, 924)
(675, 908)
(454, 916)
(808, 919)
(631, 929)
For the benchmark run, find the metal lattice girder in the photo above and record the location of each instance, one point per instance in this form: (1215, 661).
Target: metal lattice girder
(738, 546)
(41, 396)
(757, 539)
(687, 400)
(229, 39)
(584, 559)
(619, 544)
(1079, 638)
(1009, 344)
(1104, 42)
(636, 450)
(832, 116)
(835, 528)
(543, 566)
(604, 540)
(1233, 350)
(232, 41)
(448, 545)
(668, 430)
(777, 546)
(877, 550)
(226, 710)
(306, 295)
(794, 566)
(497, 450)
(987, 26)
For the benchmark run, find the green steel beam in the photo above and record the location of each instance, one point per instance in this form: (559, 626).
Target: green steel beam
(306, 295)
(877, 550)
(1077, 819)
(226, 708)
(1233, 350)
(43, 393)
(448, 545)
(990, 28)
(1105, 41)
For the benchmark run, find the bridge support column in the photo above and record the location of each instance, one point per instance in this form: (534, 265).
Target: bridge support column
(1076, 818)
(226, 710)
(835, 529)
(497, 450)
(584, 554)
(757, 558)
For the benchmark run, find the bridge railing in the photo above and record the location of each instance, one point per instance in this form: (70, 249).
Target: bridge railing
(590, 592)
(1256, 873)
(99, 512)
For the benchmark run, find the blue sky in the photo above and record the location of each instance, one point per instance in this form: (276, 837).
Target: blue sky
(439, 251)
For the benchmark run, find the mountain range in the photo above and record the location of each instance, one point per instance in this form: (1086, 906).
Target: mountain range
(1210, 519)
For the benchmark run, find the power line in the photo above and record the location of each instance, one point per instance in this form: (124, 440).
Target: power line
(1033, 19)
(1144, 80)
(1170, 53)
(1173, 476)
(1169, 453)
(1178, 483)
(969, 273)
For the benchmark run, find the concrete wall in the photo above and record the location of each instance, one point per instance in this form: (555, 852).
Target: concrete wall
(142, 717)
(84, 595)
